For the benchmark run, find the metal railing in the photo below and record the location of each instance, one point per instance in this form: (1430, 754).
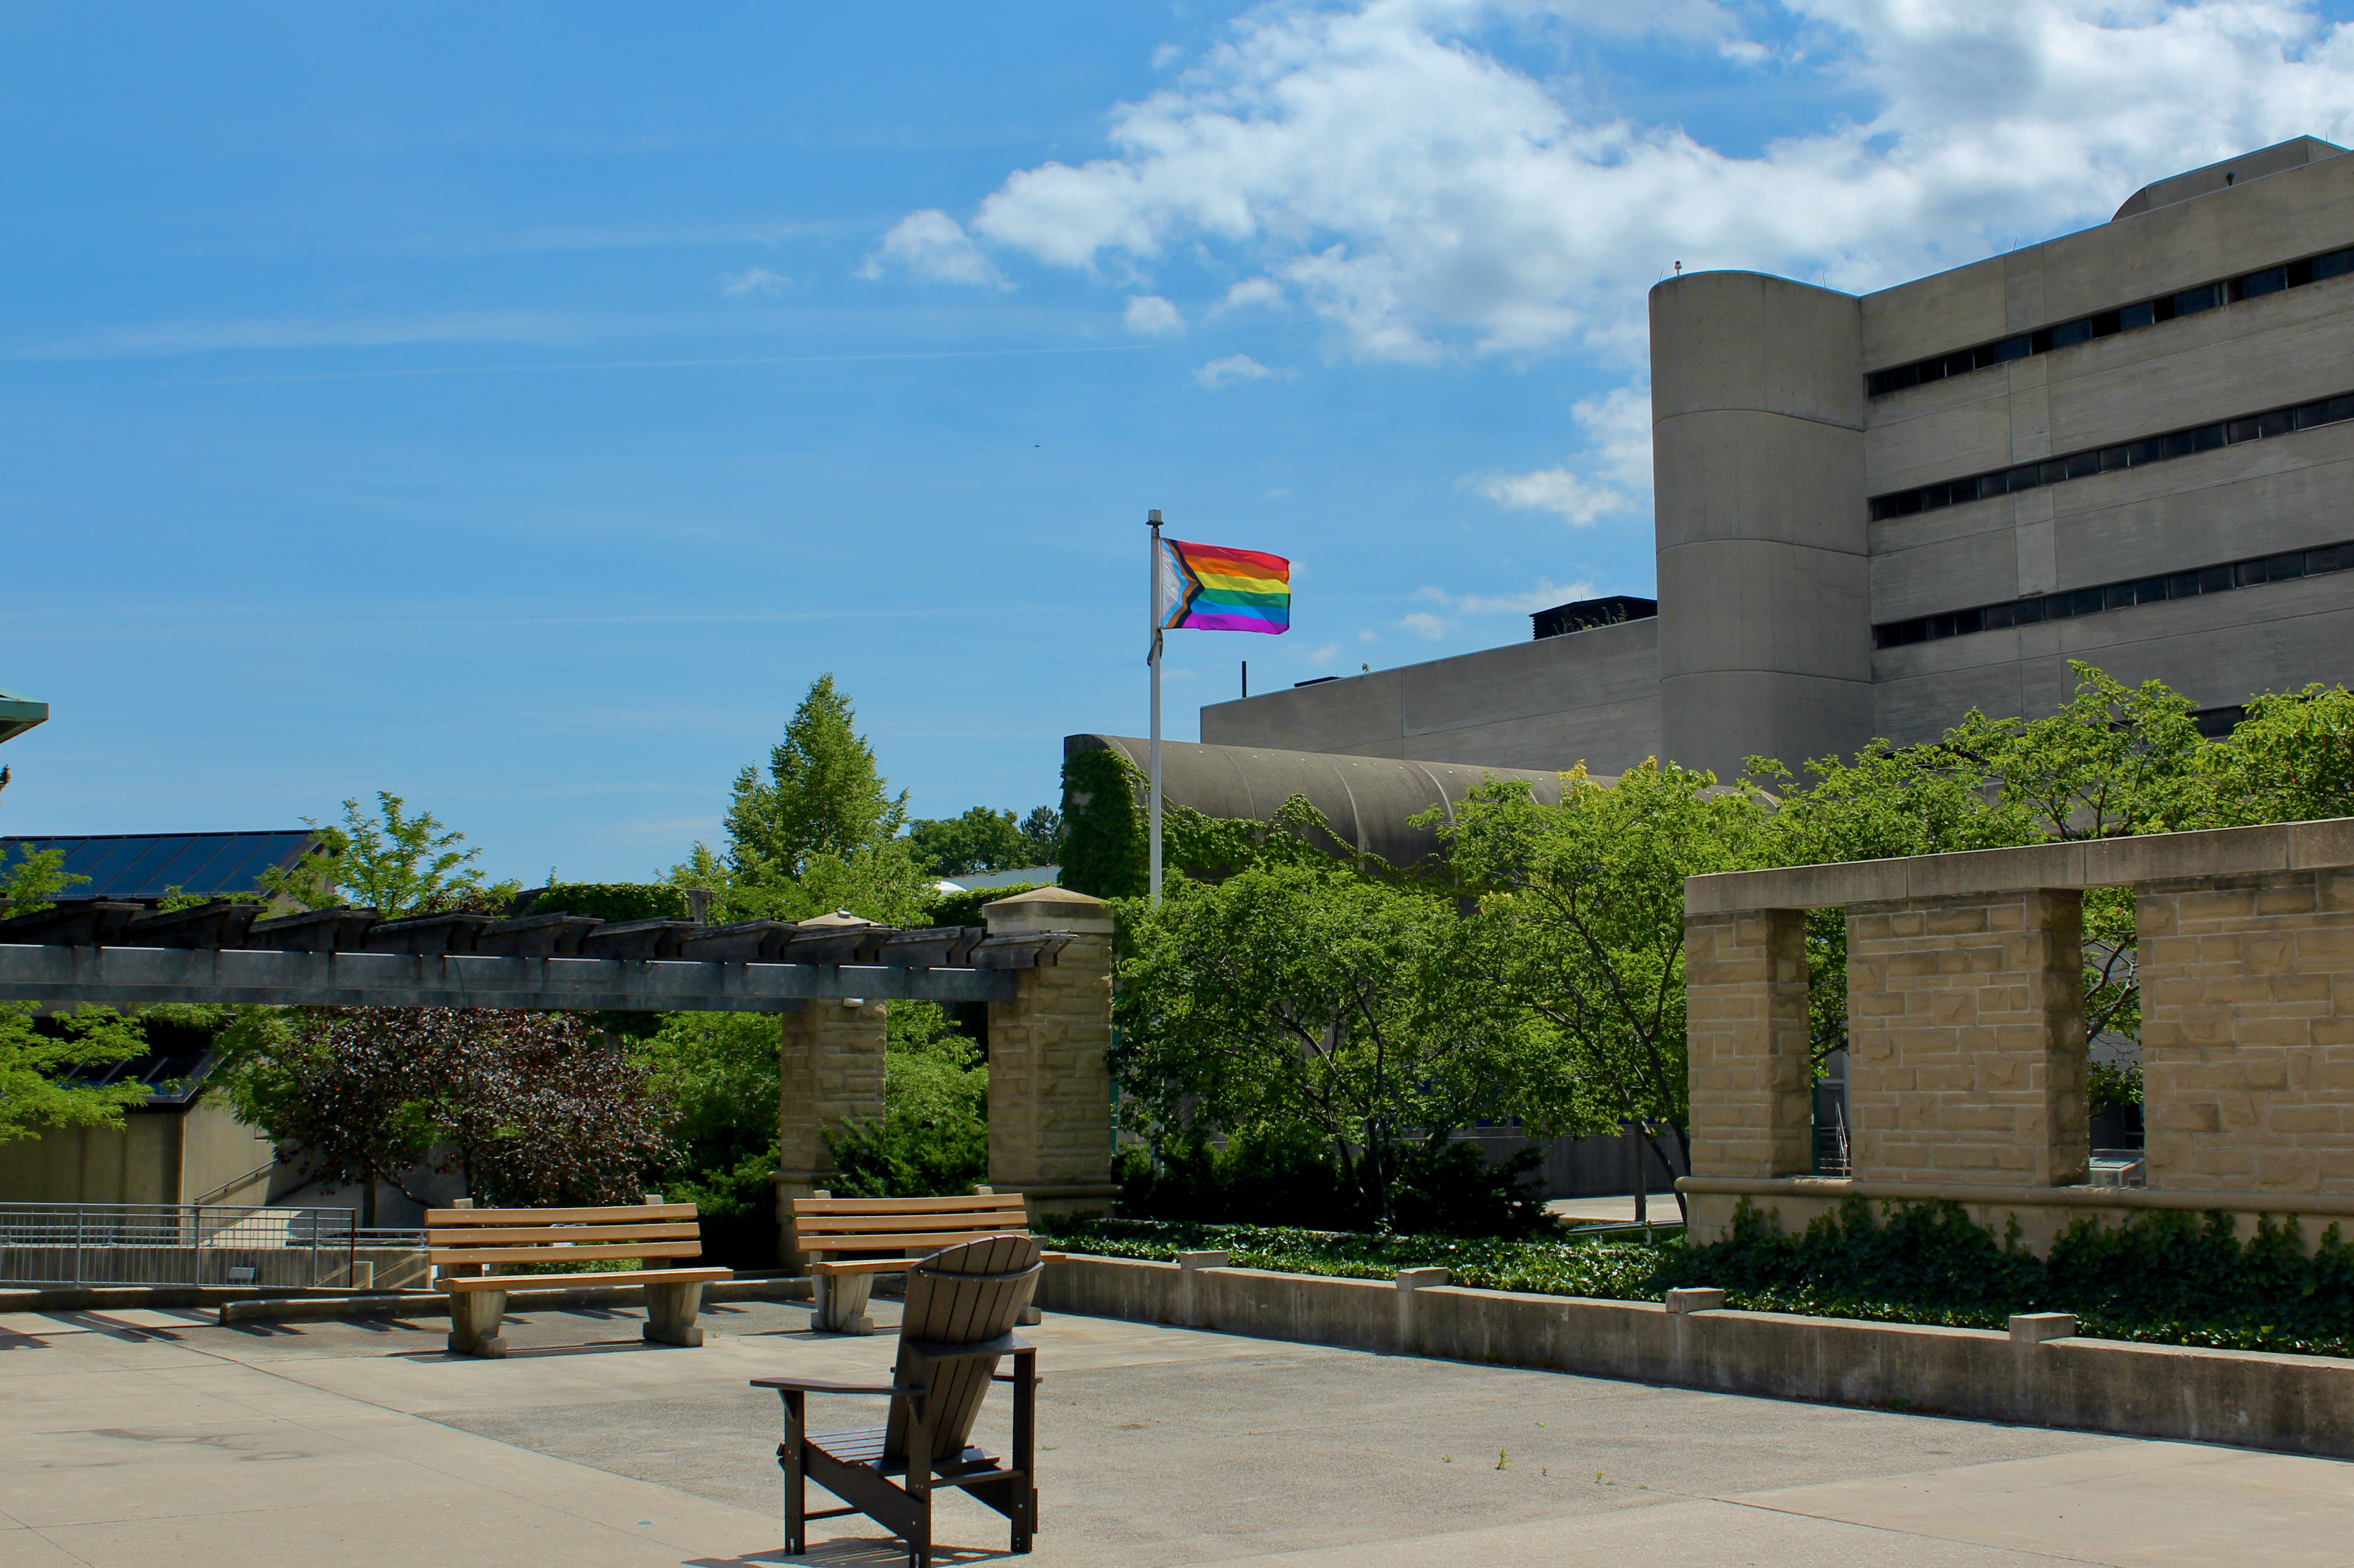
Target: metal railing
(204, 1243)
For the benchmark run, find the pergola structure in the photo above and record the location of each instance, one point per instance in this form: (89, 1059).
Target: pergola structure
(1042, 963)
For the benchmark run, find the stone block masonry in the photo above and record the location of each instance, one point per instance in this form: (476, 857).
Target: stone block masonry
(1967, 1075)
(1966, 1038)
(2248, 1030)
(1049, 1116)
(828, 1071)
(1745, 1023)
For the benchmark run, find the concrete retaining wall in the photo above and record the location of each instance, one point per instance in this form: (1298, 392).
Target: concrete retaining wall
(2297, 1404)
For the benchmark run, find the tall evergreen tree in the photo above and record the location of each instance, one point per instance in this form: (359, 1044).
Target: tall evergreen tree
(822, 794)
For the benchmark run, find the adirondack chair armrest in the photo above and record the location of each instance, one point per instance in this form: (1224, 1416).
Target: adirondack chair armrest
(1037, 1380)
(812, 1385)
(935, 1350)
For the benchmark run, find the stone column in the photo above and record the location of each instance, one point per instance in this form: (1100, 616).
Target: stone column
(1050, 1124)
(1745, 1028)
(1966, 1039)
(829, 1070)
(2247, 1039)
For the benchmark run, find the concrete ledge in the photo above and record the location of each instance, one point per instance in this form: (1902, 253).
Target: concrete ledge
(2334, 1204)
(2297, 1404)
(2158, 857)
(435, 1304)
(1793, 1202)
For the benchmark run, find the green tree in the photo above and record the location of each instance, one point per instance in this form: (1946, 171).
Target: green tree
(399, 863)
(2291, 760)
(37, 1067)
(1305, 1003)
(933, 1137)
(718, 1073)
(1042, 836)
(1588, 900)
(980, 840)
(822, 794)
(33, 884)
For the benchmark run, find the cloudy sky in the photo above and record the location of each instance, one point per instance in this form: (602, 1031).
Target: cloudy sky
(514, 408)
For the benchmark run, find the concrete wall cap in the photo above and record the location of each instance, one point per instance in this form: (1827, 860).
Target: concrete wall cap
(2034, 1328)
(1420, 1279)
(1048, 910)
(1193, 1260)
(2156, 857)
(1695, 1299)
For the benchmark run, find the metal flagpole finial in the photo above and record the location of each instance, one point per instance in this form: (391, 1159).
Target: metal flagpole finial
(1152, 518)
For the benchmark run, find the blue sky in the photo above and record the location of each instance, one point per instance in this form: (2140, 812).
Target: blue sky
(514, 410)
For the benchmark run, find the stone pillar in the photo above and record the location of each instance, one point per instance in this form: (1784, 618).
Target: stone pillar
(1050, 1120)
(1966, 1039)
(1745, 1028)
(828, 1071)
(2247, 1039)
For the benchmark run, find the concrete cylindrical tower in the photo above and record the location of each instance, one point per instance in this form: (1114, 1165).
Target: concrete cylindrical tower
(1757, 457)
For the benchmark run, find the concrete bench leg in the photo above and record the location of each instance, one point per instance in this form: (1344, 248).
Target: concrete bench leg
(670, 1313)
(474, 1317)
(842, 1303)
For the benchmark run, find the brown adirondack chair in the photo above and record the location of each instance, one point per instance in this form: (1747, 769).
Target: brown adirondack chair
(957, 1325)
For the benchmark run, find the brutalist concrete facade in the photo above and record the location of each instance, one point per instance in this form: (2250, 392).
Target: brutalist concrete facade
(2132, 445)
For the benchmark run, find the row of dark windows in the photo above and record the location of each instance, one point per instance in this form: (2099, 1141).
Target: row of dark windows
(2071, 603)
(2107, 323)
(2108, 459)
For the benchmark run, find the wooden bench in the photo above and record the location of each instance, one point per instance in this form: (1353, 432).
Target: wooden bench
(840, 1235)
(462, 1243)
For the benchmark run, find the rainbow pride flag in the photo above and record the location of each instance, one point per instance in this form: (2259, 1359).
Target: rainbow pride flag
(1212, 588)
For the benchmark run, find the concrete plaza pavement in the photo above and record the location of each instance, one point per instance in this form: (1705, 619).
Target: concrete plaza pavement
(157, 1436)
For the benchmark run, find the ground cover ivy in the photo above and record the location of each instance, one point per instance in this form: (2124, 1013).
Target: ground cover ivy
(2159, 1277)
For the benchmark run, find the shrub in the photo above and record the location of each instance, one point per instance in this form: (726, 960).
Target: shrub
(614, 901)
(965, 908)
(1451, 1190)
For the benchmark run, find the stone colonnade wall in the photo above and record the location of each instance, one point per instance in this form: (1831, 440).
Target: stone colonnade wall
(1966, 1038)
(2248, 1029)
(1967, 1052)
(1050, 1132)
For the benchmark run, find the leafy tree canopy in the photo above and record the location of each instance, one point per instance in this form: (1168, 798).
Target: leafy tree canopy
(1304, 1002)
(37, 1090)
(822, 794)
(980, 840)
(531, 1110)
(400, 864)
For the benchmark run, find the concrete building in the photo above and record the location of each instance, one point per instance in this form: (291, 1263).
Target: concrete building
(2129, 445)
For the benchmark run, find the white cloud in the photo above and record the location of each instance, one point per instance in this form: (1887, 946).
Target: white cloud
(1233, 367)
(1166, 55)
(754, 281)
(1544, 596)
(1319, 658)
(931, 244)
(1150, 315)
(1382, 164)
(1422, 623)
(1578, 499)
(1252, 291)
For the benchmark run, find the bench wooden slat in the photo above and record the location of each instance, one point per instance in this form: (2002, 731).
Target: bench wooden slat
(564, 1254)
(983, 1202)
(513, 1283)
(465, 1237)
(617, 1215)
(932, 1242)
(854, 1224)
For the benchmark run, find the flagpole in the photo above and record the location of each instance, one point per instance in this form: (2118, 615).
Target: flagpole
(1152, 578)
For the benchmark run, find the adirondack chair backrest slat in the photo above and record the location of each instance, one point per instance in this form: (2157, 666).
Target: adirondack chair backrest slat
(960, 1297)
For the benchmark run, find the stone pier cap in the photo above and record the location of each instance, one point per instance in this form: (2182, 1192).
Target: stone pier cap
(2327, 845)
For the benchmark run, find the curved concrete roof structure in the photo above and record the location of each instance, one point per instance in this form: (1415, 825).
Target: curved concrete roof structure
(1367, 800)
